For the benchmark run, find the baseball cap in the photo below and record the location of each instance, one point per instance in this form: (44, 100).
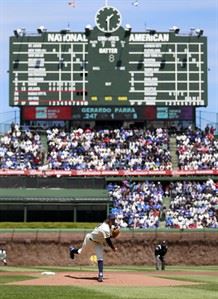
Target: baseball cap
(111, 216)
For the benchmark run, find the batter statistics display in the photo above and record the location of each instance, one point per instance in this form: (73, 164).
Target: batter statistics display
(108, 65)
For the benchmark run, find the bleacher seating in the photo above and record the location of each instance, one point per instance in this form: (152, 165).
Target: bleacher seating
(197, 150)
(137, 204)
(192, 205)
(115, 149)
(21, 149)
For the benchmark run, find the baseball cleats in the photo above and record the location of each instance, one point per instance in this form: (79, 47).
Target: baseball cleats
(5, 262)
(100, 277)
(72, 252)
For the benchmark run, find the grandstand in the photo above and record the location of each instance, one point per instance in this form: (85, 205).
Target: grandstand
(107, 123)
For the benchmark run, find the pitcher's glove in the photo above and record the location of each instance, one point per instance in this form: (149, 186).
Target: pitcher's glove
(115, 231)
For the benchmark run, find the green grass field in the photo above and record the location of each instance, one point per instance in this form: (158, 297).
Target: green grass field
(206, 289)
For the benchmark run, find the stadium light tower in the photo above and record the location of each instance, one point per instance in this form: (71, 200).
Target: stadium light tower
(88, 29)
(19, 32)
(175, 29)
(41, 29)
(128, 28)
(199, 32)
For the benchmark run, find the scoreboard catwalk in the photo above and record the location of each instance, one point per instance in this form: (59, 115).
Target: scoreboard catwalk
(108, 65)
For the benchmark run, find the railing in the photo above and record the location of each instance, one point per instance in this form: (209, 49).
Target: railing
(91, 173)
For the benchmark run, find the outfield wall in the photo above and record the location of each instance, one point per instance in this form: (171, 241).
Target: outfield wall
(40, 247)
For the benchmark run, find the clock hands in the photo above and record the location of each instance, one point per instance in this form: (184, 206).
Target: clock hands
(108, 21)
(109, 17)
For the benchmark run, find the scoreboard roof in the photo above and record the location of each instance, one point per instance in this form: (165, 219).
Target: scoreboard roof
(108, 65)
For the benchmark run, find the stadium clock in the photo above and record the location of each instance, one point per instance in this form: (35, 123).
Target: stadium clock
(108, 19)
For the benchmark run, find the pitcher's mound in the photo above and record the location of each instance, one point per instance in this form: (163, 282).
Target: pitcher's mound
(110, 279)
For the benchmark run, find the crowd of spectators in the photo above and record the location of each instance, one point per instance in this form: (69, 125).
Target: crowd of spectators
(197, 150)
(21, 150)
(109, 149)
(141, 204)
(137, 204)
(193, 205)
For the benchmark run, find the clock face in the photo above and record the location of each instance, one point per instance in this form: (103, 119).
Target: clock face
(108, 19)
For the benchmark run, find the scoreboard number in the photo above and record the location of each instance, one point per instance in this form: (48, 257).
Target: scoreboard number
(111, 58)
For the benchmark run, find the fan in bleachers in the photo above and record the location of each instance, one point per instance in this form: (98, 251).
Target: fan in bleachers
(197, 150)
(193, 205)
(137, 204)
(21, 149)
(115, 149)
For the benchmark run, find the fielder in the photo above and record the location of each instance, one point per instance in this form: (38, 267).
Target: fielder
(96, 240)
(3, 256)
(160, 252)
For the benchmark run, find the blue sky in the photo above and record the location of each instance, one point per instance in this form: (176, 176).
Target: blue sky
(157, 14)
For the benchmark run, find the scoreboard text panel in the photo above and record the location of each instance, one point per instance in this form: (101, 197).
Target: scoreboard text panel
(98, 69)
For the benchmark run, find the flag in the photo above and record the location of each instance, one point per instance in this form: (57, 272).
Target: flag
(135, 3)
(72, 3)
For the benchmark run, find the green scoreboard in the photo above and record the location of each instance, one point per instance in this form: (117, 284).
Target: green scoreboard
(108, 65)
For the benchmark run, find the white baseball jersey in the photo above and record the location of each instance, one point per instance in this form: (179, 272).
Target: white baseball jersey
(95, 241)
(100, 233)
